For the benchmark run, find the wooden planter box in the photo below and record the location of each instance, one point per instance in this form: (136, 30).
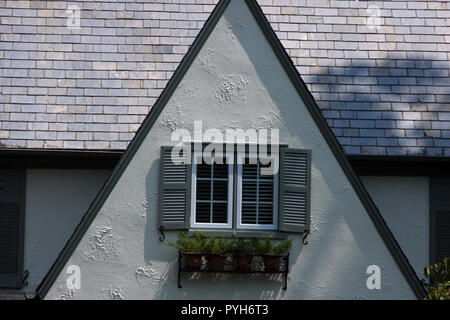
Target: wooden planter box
(242, 264)
(216, 262)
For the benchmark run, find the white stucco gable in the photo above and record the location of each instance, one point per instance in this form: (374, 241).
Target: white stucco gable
(232, 78)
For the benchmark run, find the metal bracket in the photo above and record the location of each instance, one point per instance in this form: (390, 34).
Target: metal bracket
(305, 235)
(163, 236)
(25, 277)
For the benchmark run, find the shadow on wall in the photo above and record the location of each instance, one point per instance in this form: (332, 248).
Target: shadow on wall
(390, 106)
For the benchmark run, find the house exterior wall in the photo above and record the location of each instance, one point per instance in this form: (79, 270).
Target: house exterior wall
(55, 202)
(404, 203)
(235, 82)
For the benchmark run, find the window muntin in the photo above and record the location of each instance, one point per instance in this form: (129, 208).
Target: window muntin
(257, 194)
(212, 192)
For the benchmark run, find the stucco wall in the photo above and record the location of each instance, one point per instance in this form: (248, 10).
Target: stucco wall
(235, 82)
(405, 204)
(55, 202)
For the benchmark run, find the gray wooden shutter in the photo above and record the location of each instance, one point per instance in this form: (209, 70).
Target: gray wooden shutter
(175, 192)
(295, 186)
(439, 219)
(12, 213)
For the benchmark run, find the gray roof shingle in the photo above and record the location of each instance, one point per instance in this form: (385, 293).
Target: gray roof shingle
(382, 81)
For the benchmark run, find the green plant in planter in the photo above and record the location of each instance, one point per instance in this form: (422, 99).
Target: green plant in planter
(220, 246)
(240, 246)
(193, 246)
(282, 247)
(215, 245)
(439, 276)
(215, 252)
(260, 247)
(190, 244)
(242, 250)
(183, 244)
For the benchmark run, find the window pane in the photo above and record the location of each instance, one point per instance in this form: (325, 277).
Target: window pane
(203, 190)
(220, 212)
(249, 171)
(257, 194)
(203, 212)
(220, 190)
(249, 191)
(265, 213)
(266, 191)
(212, 193)
(221, 171)
(203, 171)
(248, 213)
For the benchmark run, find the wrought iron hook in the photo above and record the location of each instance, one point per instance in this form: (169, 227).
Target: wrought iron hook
(25, 277)
(163, 236)
(306, 233)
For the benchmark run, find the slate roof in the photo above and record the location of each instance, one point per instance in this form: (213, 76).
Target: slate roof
(384, 90)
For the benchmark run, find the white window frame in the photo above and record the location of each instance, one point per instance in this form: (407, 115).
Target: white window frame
(197, 158)
(274, 226)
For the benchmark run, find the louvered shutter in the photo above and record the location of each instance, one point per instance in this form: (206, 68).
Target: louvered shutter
(295, 182)
(440, 218)
(12, 208)
(175, 192)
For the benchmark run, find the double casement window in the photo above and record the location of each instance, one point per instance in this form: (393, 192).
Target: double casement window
(12, 213)
(240, 191)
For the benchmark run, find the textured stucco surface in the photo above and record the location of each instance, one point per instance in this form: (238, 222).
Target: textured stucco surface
(384, 90)
(235, 82)
(55, 203)
(405, 205)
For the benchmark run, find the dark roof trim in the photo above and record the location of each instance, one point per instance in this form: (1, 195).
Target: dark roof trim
(58, 159)
(302, 90)
(380, 224)
(96, 205)
(414, 166)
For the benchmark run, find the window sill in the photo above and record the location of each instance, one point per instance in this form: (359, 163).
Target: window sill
(241, 233)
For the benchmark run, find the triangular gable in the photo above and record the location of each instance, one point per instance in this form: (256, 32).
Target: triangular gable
(314, 111)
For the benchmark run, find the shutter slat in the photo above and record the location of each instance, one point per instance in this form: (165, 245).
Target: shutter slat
(11, 227)
(9, 237)
(174, 191)
(440, 218)
(295, 173)
(442, 234)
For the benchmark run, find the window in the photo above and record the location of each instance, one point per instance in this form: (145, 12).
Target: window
(235, 193)
(212, 192)
(257, 194)
(12, 201)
